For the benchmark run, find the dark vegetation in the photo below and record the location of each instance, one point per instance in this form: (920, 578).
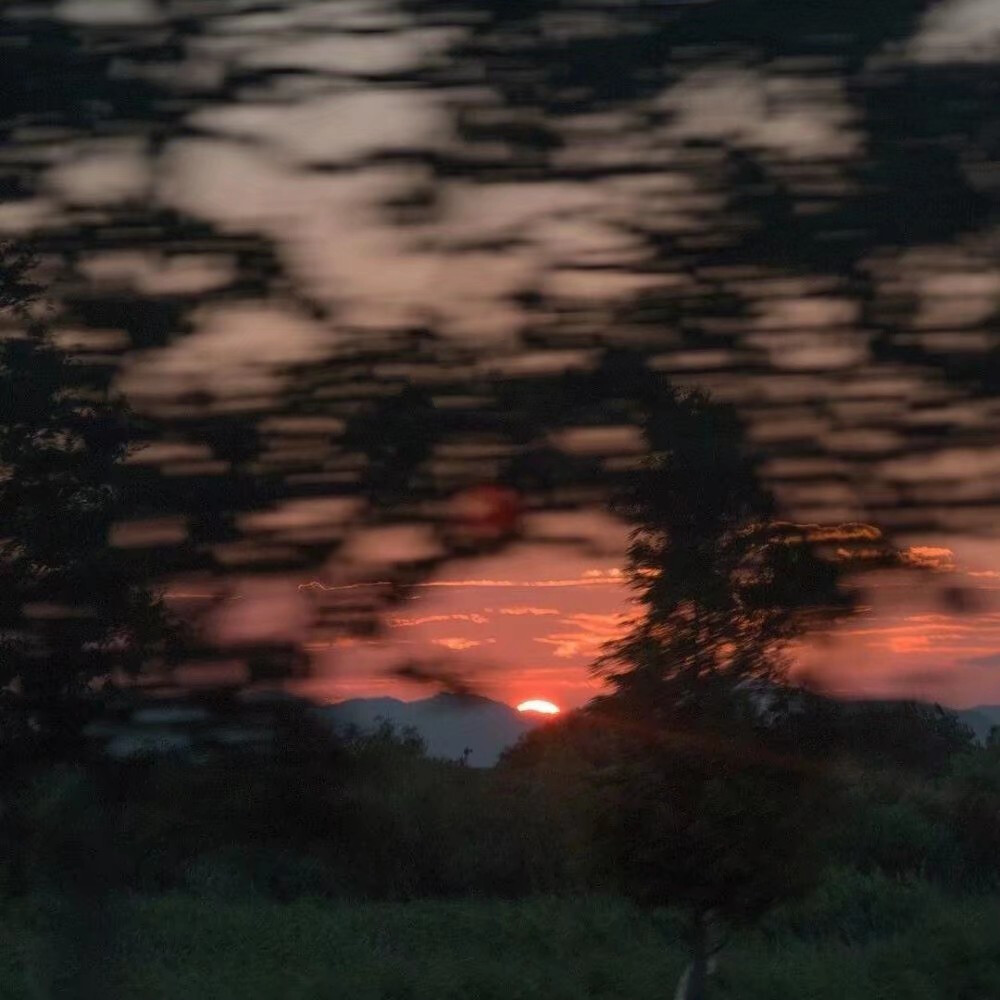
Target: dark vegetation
(74, 609)
(334, 851)
(369, 816)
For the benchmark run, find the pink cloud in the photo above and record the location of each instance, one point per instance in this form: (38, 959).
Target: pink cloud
(533, 612)
(473, 618)
(929, 557)
(457, 644)
(610, 578)
(267, 610)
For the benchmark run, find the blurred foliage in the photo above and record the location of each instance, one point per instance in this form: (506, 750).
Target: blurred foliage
(74, 610)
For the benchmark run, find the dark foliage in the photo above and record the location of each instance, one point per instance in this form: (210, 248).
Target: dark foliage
(75, 611)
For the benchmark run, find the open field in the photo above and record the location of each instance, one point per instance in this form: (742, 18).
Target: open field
(858, 938)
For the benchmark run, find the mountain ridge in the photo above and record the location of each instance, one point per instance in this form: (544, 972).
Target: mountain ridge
(449, 724)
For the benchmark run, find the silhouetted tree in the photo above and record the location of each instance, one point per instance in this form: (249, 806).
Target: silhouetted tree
(724, 587)
(712, 806)
(907, 736)
(74, 610)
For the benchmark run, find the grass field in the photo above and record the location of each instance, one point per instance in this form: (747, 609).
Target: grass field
(889, 942)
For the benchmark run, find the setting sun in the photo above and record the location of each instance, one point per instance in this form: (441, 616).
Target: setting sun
(537, 705)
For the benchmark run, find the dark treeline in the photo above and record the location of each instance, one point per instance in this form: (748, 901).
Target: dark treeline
(370, 816)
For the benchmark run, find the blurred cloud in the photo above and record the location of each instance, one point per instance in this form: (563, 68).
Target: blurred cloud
(338, 127)
(373, 54)
(103, 12)
(958, 31)
(148, 533)
(269, 610)
(796, 116)
(472, 618)
(156, 274)
(390, 545)
(458, 645)
(611, 578)
(929, 557)
(533, 612)
(590, 631)
(237, 350)
(946, 463)
(319, 518)
(101, 172)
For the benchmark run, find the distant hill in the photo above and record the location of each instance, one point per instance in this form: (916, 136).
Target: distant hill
(197, 728)
(448, 723)
(980, 719)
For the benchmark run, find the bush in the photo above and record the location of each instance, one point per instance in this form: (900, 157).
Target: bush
(974, 813)
(244, 874)
(855, 908)
(895, 838)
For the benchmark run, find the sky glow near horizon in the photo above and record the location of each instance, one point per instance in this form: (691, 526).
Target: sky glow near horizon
(516, 635)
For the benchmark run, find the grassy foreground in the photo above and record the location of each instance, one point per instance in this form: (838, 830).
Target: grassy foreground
(897, 943)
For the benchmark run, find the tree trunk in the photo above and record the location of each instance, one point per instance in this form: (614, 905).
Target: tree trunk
(693, 983)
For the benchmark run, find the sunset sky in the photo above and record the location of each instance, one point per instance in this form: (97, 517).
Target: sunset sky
(529, 622)
(275, 206)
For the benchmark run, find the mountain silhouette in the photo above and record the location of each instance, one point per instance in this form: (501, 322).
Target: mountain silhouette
(449, 724)
(980, 719)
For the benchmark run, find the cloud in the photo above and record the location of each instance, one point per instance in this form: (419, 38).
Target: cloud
(335, 127)
(390, 545)
(849, 531)
(147, 533)
(929, 557)
(596, 621)
(235, 351)
(958, 31)
(98, 12)
(365, 54)
(569, 644)
(611, 578)
(303, 519)
(102, 173)
(592, 631)
(269, 610)
(794, 116)
(990, 661)
(473, 618)
(457, 644)
(941, 636)
(341, 642)
(534, 612)
(955, 464)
